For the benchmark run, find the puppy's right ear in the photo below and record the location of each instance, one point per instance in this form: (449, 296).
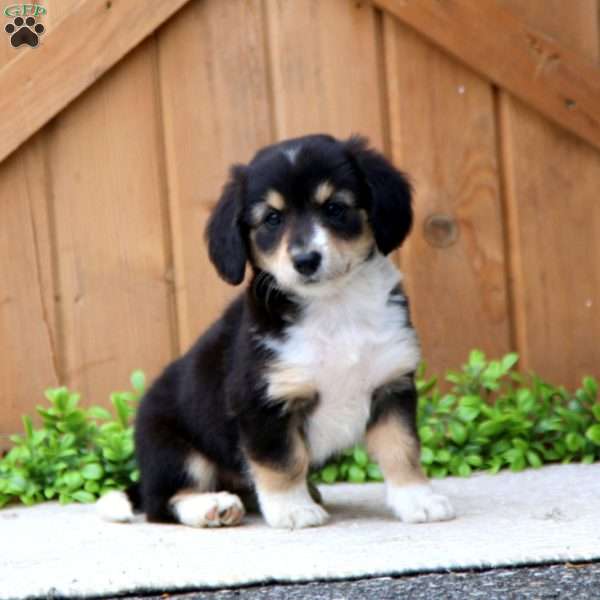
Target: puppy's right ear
(226, 246)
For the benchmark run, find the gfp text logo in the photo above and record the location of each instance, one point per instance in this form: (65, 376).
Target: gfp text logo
(24, 27)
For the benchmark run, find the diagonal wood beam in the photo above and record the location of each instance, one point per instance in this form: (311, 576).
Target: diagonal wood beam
(560, 84)
(41, 81)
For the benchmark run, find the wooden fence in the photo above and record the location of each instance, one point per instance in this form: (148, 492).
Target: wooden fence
(117, 131)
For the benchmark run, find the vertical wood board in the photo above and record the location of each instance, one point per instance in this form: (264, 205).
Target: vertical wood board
(105, 157)
(214, 89)
(442, 131)
(552, 183)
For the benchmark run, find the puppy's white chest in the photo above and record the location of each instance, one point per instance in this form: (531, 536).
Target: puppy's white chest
(346, 346)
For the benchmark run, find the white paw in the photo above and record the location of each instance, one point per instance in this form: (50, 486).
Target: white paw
(419, 504)
(115, 506)
(208, 510)
(292, 510)
(296, 516)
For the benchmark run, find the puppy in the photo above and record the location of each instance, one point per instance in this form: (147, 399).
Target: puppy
(317, 354)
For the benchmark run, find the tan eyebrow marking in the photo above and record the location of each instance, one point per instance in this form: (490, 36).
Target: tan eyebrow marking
(258, 212)
(275, 200)
(323, 192)
(272, 199)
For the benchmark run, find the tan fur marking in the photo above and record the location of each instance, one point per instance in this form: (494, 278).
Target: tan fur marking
(289, 383)
(323, 192)
(258, 212)
(275, 200)
(269, 262)
(357, 248)
(396, 450)
(201, 471)
(280, 479)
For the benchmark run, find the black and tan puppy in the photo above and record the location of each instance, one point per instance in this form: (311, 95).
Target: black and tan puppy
(317, 354)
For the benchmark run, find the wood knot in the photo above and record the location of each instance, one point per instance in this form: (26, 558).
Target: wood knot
(440, 230)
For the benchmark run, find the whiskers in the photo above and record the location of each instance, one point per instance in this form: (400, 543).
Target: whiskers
(264, 288)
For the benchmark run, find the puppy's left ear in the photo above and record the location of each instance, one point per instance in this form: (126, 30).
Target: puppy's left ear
(226, 246)
(390, 210)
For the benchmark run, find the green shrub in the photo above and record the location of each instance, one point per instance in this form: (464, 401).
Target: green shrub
(77, 455)
(491, 418)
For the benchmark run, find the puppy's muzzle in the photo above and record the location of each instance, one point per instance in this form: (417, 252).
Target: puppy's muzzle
(307, 263)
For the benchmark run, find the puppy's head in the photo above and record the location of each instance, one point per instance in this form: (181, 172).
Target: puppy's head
(309, 211)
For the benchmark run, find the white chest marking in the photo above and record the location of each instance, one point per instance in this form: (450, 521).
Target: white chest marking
(347, 344)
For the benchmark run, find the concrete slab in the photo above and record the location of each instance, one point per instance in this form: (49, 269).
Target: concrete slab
(538, 516)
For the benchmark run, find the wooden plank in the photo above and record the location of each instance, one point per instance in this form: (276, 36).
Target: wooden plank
(442, 129)
(559, 83)
(319, 85)
(27, 328)
(29, 337)
(105, 157)
(552, 183)
(74, 54)
(216, 112)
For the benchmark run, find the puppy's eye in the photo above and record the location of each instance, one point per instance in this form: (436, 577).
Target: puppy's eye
(273, 219)
(334, 209)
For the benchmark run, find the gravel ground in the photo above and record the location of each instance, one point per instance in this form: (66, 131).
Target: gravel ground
(542, 582)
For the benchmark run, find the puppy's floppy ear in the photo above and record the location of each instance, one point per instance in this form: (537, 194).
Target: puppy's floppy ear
(390, 210)
(226, 245)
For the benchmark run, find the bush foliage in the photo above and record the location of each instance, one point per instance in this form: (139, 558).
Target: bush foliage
(492, 417)
(77, 455)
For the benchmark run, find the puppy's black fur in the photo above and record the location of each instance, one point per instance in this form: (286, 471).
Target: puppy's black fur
(214, 399)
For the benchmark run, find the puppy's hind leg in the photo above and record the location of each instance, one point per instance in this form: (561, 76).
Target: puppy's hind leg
(198, 505)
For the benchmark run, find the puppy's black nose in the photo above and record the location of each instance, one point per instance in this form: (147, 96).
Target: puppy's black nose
(307, 262)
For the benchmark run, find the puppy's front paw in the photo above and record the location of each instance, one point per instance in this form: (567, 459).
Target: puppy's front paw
(419, 504)
(292, 510)
(297, 516)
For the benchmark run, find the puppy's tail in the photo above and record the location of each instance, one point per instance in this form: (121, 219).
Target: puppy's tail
(120, 506)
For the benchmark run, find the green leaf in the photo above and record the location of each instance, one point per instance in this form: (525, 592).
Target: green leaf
(28, 426)
(509, 361)
(574, 441)
(138, 381)
(458, 432)
(84, 497)
(467, 413)
(356, 474)
(73, 480)
(476, 358)
(474, 460)
(374, 472)
(329, 474)
(593, 434)
(464, 470)
(533, 459)
(360, 456)
(443, 456)
(591, 387)
(92, 471)
(99, 412)
(518, 464)
(427, 455)
(426, 434)
(438, 472)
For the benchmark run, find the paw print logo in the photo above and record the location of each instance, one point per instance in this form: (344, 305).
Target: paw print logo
(24, 31)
